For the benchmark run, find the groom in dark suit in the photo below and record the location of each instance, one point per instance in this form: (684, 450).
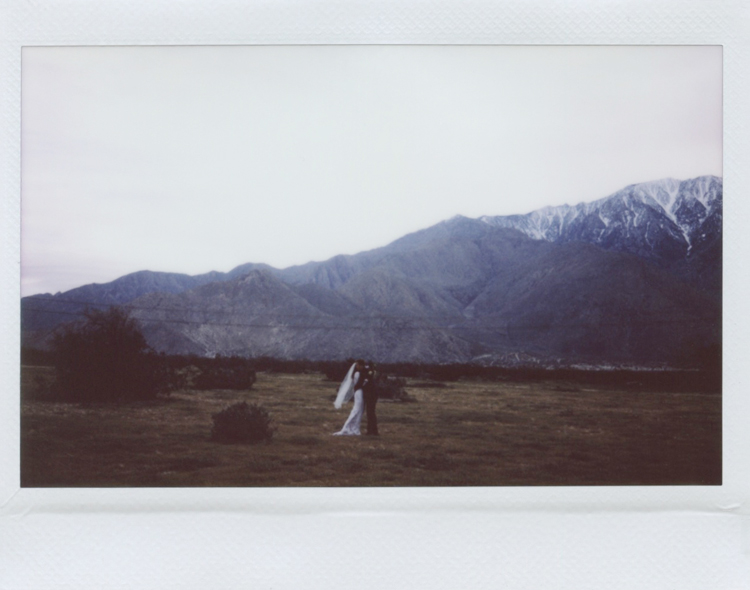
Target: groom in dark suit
(366, 382)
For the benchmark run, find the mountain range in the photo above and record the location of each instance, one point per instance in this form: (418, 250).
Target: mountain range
(633, 278)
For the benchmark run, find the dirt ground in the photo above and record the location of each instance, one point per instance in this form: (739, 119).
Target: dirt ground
(464, 433)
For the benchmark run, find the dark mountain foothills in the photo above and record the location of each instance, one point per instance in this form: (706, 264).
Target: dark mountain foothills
(630, 280)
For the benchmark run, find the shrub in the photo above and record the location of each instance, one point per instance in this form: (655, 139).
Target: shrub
(448, 372)
(392, 388)
(37, 357)
(237, 377)
(336, 371)
(105, 359)
(37, 383)
(242, 423)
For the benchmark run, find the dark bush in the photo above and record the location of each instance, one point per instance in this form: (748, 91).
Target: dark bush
(336, 371)
(447, 372)
(220, 372)
(392, 388)
(105, 359)
(238, 377)
(242, 423)
(289, 366)
(37, 383)
(37, 357)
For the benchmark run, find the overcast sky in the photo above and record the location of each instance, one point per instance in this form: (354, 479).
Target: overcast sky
(191, 159)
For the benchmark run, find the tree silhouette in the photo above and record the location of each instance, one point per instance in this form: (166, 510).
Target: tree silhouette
(105, 359)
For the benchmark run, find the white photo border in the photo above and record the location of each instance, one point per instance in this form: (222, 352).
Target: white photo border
(420, 537)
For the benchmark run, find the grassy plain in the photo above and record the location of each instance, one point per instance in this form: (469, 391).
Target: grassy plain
(464, 433)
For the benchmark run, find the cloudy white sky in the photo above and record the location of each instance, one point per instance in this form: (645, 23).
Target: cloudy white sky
(190, 159)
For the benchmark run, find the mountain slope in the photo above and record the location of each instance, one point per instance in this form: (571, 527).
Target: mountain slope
(41, 313)
(551, 301)
(259, 315)
(578, 301)
(673, 224)
(634, 277)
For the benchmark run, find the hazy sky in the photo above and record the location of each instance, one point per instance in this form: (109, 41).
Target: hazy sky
(190, 159)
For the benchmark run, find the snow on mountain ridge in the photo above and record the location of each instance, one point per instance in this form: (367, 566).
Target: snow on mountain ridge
(664, 192)
(674, 208)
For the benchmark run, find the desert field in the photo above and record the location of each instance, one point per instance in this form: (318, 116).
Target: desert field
(463, 433)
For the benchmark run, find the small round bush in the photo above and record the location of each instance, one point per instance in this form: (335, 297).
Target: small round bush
(242, 423)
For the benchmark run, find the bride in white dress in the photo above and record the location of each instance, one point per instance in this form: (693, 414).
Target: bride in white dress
(346, 392)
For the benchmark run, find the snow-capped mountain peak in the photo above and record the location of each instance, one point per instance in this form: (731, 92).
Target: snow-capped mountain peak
(662, 191)
(660, 219)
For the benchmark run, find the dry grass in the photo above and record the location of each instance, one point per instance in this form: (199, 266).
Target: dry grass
(463, 433)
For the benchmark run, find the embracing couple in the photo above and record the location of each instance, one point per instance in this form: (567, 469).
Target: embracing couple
(359, 383)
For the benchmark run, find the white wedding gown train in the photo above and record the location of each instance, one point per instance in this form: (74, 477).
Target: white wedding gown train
(351, 426)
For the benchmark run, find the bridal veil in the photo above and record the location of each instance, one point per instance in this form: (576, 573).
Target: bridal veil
(346, 390)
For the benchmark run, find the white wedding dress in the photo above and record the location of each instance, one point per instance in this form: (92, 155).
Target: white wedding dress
(346, 392)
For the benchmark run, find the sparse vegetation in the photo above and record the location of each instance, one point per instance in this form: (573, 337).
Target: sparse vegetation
(473, 432)
(239, 377)
(201, 373)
